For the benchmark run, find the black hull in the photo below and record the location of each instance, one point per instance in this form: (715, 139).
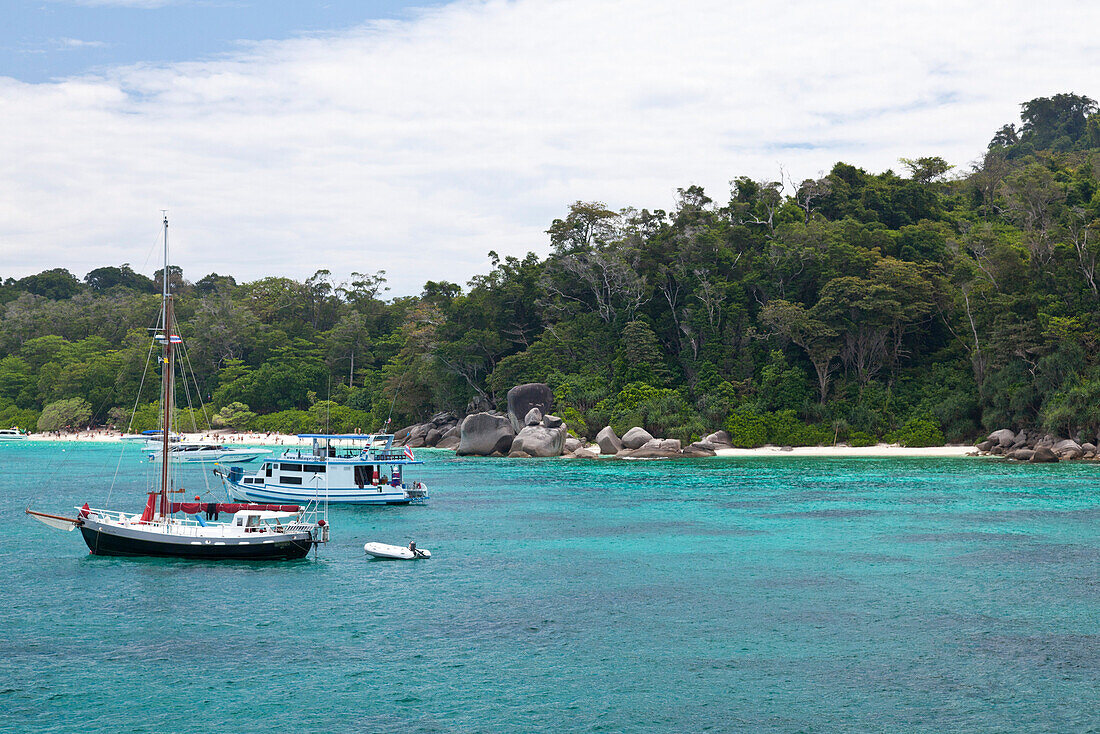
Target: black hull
(107, 544)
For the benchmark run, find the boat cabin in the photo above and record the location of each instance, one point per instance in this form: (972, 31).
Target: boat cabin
(260, 521)
(312, 471)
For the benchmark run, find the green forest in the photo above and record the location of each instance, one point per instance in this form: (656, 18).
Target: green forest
(918, 306)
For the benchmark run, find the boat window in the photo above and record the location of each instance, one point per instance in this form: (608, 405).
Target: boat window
(253, 521)
(290, 480)
(319, 468)
(362, 474)
(292, 467)
(268, 467)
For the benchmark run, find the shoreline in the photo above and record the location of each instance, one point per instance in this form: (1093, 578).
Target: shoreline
(277, 439)
(879, 450)
(249, 439)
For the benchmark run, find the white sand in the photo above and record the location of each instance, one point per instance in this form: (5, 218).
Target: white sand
(881, 449)
(251, 439)
(276, 439)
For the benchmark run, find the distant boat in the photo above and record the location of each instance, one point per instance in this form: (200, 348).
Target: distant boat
(12, 434)
(177, 529)
(348, 469)
(153, 435)
(209, 453)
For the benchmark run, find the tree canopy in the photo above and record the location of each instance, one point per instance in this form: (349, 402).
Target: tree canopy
(853, 306)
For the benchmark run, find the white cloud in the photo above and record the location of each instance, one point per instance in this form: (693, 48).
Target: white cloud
(76, 43)
(146, 4)
(417, 146)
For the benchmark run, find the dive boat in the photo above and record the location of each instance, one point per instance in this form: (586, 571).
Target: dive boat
(177, 529)
(341, 469)
(12, 434)
(200, 453)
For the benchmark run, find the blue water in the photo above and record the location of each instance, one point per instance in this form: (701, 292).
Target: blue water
(713, 595)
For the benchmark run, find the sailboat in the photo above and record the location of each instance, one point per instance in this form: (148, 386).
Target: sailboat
(178, 529)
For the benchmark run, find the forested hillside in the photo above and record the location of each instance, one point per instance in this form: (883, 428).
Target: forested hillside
(915, 305)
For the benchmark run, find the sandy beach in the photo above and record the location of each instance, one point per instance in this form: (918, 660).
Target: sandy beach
(881, 449)
(277, 439)
(249, 439)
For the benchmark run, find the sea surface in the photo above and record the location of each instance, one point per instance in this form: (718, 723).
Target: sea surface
(792, 595)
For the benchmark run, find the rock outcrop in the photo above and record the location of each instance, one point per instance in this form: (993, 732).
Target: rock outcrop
(648, 452)
(665, 449)
(415, 437)
(522, 398)
(1031, 445)
(533, 418)
(450, 440)
(572, 444)
(1043, 455)
(608, 442)
(636, 437)
(483, 434)
(1067, 449)
(430, 433)
(720, 439)
(540, 440)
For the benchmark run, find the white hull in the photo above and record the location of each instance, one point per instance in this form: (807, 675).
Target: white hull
(277, 495)
(228, 456)
(395, 552)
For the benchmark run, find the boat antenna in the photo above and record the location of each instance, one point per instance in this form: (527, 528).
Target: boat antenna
(164, 273)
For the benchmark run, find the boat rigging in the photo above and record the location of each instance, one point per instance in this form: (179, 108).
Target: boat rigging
(178, 529)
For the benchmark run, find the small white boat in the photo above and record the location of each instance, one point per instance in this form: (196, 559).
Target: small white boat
(152, 438)
(198, 453)
(12, 433)
(396, 552)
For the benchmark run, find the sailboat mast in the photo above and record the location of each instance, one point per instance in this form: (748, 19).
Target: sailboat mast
(166, 377)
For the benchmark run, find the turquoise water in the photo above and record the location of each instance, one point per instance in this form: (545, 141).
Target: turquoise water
(713, 595)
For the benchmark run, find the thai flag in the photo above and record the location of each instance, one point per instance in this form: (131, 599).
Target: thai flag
(409, 454)
(174, 339)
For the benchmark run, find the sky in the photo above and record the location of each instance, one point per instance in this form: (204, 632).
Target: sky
(285, 137)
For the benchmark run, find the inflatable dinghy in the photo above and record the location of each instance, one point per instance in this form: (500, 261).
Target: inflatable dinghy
(395, 552)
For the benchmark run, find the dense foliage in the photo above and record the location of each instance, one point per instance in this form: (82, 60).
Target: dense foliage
(912, 307)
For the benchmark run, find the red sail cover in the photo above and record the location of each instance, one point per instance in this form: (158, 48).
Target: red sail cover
(194, 508)
(147, 515)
